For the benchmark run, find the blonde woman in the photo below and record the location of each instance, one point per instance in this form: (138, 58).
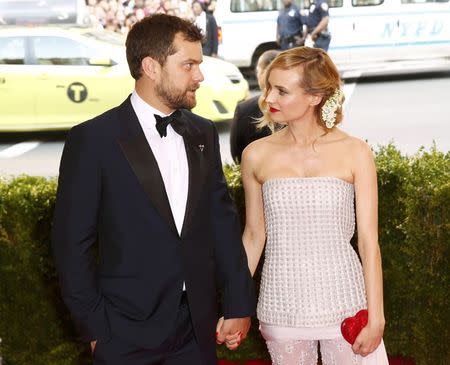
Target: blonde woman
(300, 186)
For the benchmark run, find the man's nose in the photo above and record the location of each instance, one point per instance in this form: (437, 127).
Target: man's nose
(198, 76)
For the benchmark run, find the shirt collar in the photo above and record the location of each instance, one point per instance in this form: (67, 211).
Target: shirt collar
(145, 113)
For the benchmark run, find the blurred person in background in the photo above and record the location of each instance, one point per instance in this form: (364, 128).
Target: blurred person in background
(171, 7)
(130, 20)
(185, 10)
(318, 19)
(113, 24)
(291, 30)
(154, 6)
(119, 16)
(207, 24)
(209, 6)
(244, 126)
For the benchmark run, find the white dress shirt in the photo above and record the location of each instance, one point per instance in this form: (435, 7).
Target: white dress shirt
(170, 154)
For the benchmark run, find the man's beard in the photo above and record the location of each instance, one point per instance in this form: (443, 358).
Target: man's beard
(175, 98)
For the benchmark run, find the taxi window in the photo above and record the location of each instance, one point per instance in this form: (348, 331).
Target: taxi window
(106, 36)
(12, 51)
(367, 2)
(60, 51)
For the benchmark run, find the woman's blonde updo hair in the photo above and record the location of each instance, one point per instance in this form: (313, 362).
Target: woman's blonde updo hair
(319, 77)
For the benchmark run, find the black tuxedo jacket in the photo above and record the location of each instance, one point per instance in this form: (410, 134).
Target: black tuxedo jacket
(243, 127)
(111, 192)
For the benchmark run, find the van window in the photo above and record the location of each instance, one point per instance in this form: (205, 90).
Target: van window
(331, 3)
(367, 2)
(423, 1)
(242, 6)
(335, 3)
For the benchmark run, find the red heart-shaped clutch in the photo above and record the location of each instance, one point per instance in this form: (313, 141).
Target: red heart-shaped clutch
(352, 326)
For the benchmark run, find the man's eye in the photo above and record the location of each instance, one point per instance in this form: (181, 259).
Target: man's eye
(188, 66)
(282, 92)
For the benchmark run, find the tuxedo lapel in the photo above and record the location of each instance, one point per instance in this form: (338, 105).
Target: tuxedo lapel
(139, 155)
(196, 150)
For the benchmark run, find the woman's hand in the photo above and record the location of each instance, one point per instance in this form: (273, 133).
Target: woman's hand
(231, 341)
(368, 339)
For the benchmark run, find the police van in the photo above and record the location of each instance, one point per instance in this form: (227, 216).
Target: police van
(368, 36)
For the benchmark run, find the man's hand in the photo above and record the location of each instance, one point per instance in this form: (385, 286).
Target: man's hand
(93, 344)
(232, 331)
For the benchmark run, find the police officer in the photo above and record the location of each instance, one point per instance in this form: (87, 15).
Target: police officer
(291, 29)
(318, 19)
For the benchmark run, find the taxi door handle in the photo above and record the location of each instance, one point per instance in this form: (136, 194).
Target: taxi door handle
(2, 80)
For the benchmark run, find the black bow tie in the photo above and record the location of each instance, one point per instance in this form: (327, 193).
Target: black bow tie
(175, 119)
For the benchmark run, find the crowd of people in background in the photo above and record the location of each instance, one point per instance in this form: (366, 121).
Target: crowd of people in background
(120, 15)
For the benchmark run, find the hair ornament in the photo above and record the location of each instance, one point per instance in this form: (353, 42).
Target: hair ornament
(330, 107)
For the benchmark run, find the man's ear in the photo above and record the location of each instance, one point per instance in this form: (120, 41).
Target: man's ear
(151, 68)
(315, 100)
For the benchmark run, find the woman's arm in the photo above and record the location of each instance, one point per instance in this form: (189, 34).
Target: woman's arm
(254, 236)
(366, 191)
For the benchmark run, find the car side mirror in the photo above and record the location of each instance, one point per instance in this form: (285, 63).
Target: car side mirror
(101, 62)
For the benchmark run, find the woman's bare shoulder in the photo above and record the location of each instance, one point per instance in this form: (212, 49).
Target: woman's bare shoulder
(256, 150)
(352, 143)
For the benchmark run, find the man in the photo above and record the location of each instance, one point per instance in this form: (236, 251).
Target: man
(244, 128)
(151, 191)
(207, 23)
(318, 20)
(291, 30)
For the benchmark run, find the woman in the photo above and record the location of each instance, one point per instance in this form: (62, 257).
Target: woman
(300, 185)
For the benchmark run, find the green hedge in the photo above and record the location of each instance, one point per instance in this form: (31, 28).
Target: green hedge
(414, 199)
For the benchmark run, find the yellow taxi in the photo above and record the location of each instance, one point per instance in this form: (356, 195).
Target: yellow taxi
(54, 78)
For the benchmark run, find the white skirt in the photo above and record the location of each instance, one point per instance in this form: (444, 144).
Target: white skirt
(282, 334)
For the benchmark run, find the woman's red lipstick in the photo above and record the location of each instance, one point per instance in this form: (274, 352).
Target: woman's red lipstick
(273, 110)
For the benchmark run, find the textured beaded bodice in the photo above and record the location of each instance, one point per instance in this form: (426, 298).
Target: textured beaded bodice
(312, 276)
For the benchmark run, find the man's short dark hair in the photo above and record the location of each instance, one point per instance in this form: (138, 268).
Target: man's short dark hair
(153, 37)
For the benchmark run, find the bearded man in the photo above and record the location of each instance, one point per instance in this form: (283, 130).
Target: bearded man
(144, 182)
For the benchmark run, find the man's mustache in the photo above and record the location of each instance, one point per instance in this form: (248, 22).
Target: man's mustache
(194, 88)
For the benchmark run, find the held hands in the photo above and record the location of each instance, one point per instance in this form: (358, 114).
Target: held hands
(368, 339)
(232, 331)
(93, 344)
